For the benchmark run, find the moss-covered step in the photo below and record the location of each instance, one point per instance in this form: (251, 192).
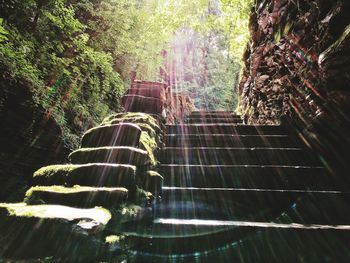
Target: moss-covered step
(151, 123)
(29, 232)
(117, 155)
(94, 174)
(77, 196)
(123, 134)
(151, 181)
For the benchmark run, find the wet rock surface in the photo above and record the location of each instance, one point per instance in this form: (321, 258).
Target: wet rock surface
(297, 66)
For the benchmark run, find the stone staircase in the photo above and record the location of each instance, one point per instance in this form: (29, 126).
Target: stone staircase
(72, 212)
(235, 192)
(229, 192)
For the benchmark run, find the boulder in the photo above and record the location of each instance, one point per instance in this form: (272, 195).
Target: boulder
(33, 232)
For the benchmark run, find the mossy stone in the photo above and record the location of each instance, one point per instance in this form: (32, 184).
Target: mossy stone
(152, 121)
(121, 134)
(22, 210)
(93, 174)
(151, 181)
(38, 231)
(117, 155)
(77, 196)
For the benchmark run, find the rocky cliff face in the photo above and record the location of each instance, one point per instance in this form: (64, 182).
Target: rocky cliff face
(298, 65)
(29, 139)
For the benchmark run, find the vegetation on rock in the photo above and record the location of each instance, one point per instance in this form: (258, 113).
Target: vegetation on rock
(93, 174)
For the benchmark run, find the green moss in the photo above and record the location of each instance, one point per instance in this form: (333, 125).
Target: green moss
(109, 148)
(151, 181)
(92, 174)
(114, 239)
(147, 128)
(116, 155)
(98, 214)
(149, 144)
(107, 125)
(77, 196)
(133, 117)
(153, 173)
(71, 190)
(51, 170)
(146, 122)
(143, 197)
(128, 213)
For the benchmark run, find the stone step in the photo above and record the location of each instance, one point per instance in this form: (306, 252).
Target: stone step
(213, 114)
(263, 204)
(143, 120)
(124, 134)
(139, 84)
(32, 232)
(77, 196)
(116, 155)
(93, 174)
(230, 120)
(247, 156)
(171, 237)
(155, 92)
(188, 210)
(137, 103)
(228, 140)
(224, 128)
(247, 176)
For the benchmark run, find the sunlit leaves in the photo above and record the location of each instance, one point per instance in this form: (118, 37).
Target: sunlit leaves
(3, 31)
(78, 54)
(235, 19)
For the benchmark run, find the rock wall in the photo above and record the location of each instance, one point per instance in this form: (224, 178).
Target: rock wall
(298, 66)
(29, 139)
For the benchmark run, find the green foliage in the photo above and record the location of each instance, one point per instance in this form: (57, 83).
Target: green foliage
(76, 55)
(205, 70)
(3, 31)
(234, 22)
(206, 53)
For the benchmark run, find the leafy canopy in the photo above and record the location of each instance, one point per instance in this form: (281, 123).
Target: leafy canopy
(75, 56)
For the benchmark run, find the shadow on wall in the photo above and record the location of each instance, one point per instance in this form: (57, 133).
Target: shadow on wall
(29, 139)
